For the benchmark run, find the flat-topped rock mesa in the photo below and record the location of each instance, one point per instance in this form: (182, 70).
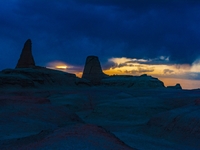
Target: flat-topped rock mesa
(92, 70)
(26, 59)
(143, 81)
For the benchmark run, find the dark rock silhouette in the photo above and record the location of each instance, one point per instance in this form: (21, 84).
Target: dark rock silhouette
(26, 59)
(177, 86)
(36, 77)
(144, 81)
(92, 70)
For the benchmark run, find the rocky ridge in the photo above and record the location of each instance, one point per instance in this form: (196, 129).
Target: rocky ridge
(32, 77)
(142, 81)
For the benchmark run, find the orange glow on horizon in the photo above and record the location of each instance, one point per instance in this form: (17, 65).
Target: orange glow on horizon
(170, 74)
(58, 65)
(61, 67)
(78, 74)
(185, 83)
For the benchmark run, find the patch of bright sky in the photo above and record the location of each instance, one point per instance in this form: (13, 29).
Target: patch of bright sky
(196, 66)
(185, 83)
(170, 74)
(62, 66)
(58, 65)
(140, 66)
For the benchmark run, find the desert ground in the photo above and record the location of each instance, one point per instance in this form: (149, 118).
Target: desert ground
(54, 112)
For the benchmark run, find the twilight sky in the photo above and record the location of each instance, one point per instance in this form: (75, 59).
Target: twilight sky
(158, 37)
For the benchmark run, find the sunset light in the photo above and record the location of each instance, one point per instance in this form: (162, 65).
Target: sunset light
(61, 67)
(58, 65)
(185, 74)
(143, 66)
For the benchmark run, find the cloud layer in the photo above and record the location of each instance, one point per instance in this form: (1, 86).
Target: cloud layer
(71, 30)
(161, 69)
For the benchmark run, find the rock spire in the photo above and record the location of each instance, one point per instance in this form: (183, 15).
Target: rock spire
(26, 59)
(92, 70)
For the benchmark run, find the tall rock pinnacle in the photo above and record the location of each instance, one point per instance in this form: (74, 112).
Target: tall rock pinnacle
(26, 59)
(92, 70)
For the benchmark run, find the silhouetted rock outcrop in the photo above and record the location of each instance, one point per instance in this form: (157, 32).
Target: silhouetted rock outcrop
(92, 70)
(26, 59)
(128, 81)
(33, 77)
(177, 86)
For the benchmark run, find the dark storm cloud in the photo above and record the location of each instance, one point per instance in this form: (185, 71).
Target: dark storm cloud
(71, 30)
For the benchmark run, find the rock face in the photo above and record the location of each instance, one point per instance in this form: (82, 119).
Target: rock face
(26, 59)
(92, 70)
(177, 86)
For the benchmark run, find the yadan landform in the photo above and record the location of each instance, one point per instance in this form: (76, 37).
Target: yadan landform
(41, 108)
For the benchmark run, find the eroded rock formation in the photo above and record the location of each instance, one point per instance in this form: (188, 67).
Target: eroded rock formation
(36, 77)
(92, 70)
(128, 81)
(177, 86)
(26, 59)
